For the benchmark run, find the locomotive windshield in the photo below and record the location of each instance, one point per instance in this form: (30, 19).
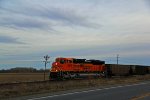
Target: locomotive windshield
(62, 61)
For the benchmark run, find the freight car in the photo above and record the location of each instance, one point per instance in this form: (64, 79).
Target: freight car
(125, 70)
(139, 69)
(74, 68)
(118, 70)
(148, 69)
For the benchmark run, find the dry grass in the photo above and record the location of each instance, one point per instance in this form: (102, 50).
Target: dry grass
(55, 86)
(21, 77)
(142, 96)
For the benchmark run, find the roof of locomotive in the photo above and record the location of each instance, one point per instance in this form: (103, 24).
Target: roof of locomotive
(65, 58)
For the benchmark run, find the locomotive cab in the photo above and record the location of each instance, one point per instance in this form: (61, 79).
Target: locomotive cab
(60, 68)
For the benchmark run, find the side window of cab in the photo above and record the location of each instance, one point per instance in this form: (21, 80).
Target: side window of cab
(69, 61)
(62, 61)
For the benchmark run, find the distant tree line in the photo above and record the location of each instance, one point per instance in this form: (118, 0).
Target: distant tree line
(22, 70)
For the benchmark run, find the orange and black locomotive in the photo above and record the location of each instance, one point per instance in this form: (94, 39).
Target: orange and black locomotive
(74, 68)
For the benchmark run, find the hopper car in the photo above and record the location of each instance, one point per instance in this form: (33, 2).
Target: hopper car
(126, 70)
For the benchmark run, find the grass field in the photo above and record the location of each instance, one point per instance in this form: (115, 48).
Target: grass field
(22, 77)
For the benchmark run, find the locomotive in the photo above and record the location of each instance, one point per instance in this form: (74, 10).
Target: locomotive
(74, 68)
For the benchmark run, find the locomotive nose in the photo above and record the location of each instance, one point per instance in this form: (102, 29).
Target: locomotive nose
(54, 67)
(54, 64)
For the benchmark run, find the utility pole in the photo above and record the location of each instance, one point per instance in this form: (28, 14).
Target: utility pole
(46, 61)
(117, 58)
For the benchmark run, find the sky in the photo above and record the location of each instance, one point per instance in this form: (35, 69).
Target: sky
(90, 29)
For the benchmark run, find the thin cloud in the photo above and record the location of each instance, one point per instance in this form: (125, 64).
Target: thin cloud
(9, 40)
(22, 22)
(68, 17)
(61, 16)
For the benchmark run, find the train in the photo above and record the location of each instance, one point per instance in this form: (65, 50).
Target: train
(69, 68)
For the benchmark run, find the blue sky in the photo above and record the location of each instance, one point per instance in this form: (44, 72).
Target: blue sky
(92, 29)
